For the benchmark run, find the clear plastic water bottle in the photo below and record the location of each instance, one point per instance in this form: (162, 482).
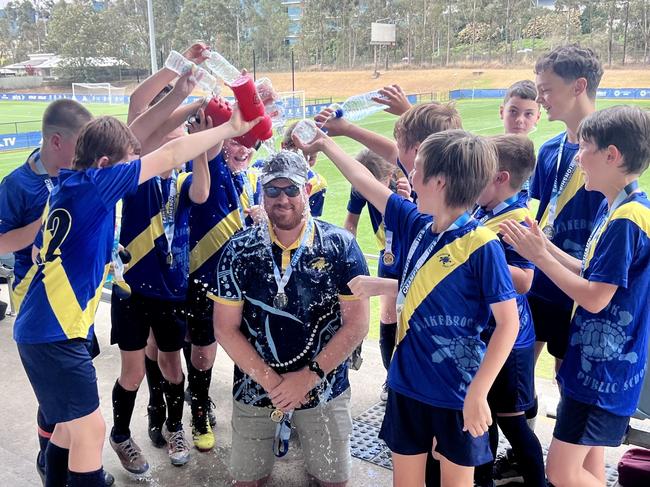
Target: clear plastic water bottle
(178, 63)
(220, 66)
(358, 107)
(305, 131)
(207, 82)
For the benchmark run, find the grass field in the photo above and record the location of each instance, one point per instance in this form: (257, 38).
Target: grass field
(480, 116)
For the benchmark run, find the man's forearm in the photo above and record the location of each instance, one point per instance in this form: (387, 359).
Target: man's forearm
(247, 359)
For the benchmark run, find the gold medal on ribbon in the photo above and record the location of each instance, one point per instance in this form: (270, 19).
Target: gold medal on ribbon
(277, 415)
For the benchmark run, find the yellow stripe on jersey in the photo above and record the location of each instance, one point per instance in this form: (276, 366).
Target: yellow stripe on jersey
(74, 320)
(380, 235)
(214, 240)
(433, 272)
(576, 182)
(518, 214)
(633, 211)
(18, 293)
(318, 183)
(141, 245)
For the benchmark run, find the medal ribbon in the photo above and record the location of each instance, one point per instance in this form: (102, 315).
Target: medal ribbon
(40, 170)
(407, 279)
(604, 220)
(168, 210)
(388, 246)
(282, 279)
(557, 191)
(282, 435)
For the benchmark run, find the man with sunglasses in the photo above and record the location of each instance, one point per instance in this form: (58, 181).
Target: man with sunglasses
(285, 314)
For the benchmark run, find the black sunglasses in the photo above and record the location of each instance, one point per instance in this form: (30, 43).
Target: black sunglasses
(274, 191)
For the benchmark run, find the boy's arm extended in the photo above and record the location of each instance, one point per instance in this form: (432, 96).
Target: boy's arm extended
(19, 238)
(182, 149)
(361, 178)
(530, 243)
(476, 412)
(351, 223)
(379, 144)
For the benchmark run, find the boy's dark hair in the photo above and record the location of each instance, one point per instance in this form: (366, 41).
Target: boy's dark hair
(524, 89)
(65, 117)
(161, 94)
(287, 142)
(572, 62)
(625, 127)
(420, 121)
(516, 155)
(103, 136)
(377, 165)
(467, 162)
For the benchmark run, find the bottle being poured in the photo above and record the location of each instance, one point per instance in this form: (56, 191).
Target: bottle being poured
(180, 65)
(248, 99)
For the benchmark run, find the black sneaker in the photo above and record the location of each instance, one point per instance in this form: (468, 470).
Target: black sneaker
(156, 416)
(506, 469)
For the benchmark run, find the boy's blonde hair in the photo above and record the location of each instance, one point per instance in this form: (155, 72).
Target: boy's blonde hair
(516, 155)
(468, 163)
(420, 121)
(104, 136)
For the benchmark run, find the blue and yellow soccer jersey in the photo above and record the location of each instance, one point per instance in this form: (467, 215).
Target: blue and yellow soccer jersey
(355, 205)
(516, 211)
(574, 216)
(76, 244)
(219, 218)
(447, 306)
(23, 195)
(317, 193)
(605, 363)
(287, 339)
(149, 272)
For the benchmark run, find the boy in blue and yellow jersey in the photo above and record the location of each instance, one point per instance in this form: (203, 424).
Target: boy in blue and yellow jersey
(155, 232)
(513, 391)
(234, 191)
(603, 370)
(567, 80)
(455, 274)
(317, 183)
(388, 264)
(23, 196)
(520, 111)
(54, 324)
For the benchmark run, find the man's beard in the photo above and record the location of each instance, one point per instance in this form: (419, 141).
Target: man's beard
(286, 221)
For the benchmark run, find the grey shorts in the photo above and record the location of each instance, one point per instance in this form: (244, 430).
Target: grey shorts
(324, 433)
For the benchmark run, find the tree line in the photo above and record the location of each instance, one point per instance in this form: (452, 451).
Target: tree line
(333, 33)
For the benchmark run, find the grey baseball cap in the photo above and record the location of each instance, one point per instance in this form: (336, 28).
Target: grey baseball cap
(285, 164)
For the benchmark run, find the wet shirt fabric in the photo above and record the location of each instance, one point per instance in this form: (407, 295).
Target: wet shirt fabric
(151, 271)
(76, 243)
(446, 308)
(219, 218)
(605, 363)
(23, 196)
(518, 211)
(287, 339)
(574, 216)
(356, 203)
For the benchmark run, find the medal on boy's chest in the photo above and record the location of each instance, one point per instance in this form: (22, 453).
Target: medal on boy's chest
(389, 258)
(281, 300)
(277, 415)
(549, 231)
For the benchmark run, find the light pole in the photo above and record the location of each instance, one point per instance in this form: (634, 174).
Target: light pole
(152, 37)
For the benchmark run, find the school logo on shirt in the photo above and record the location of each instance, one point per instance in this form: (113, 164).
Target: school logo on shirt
(602, 340)
(445, 260)
(319, 264)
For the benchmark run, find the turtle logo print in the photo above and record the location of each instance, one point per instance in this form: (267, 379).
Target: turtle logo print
(602, 340)
(464, 351)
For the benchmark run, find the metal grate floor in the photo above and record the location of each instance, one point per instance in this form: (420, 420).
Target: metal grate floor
(367, 446)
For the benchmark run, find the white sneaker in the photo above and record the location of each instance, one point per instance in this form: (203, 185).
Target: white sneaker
(177, 446)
